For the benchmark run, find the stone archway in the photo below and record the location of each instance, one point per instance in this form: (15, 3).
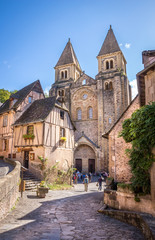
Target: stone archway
(85, 158)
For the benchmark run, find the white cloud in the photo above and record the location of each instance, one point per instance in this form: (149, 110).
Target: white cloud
(128, 45)
(134, 89)
(120, 44)
(46, 91)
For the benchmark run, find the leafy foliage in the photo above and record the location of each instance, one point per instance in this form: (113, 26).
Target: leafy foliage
(5, 94)
(140, 131)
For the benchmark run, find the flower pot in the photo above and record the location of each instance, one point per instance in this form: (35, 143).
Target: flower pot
(41, 191)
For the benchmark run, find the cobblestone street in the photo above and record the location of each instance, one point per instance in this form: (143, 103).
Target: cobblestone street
(64, 215)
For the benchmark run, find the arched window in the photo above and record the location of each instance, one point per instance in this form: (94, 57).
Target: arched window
(63, 93)
(79, 114)
(110, 86)
(90, 113)
(62, 75)
(65, 73)
(107, 65)
(111, 64)
(106, 86)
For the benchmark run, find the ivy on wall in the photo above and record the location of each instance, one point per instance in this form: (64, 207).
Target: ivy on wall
(140, 131)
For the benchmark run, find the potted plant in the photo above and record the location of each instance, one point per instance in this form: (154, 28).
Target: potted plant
(42, 189)
(28, 136)
(63, 139)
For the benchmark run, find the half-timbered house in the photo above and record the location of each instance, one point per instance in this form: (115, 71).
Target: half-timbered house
(11, 110)
(44, 129)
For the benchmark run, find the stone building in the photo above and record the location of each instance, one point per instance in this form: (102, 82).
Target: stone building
(94, 104)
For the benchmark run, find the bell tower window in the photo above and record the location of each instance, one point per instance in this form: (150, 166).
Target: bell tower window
(62, 75)
(65, 73)
(111, 64)
(107, 65)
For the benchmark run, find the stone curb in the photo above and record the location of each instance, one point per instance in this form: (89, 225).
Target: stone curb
(145, 222)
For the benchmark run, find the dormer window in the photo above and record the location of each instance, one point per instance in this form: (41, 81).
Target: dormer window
(84, 82)
(61, 114)
(30, 99)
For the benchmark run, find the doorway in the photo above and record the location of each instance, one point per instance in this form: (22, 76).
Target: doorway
(91, 165)
(26, 159)
(78, 164)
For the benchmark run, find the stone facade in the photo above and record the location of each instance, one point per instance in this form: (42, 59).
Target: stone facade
(119, 167)
(9, 189)
(94, 104)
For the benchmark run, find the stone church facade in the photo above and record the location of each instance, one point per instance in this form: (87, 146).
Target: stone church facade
(94, 104)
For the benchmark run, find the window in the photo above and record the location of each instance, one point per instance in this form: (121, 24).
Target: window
(30, 99)
(85, 96)
(61, 93)
(65, 73)
(30, 130)
(62, 114)
(106, 86)
(111, 64)
(110, 86)
(62, 75)
(5, 120)
(107, 65)
(110, 121)
(84, 82)
(79, 114)
(14, 155)
(62, 132)
(90, 113)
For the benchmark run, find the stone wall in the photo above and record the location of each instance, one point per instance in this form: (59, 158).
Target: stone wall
(119, 168)
(126, 201)
(9, 189)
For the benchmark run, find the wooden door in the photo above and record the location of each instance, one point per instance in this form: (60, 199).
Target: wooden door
(91, 165)
(26, 159)
(78, 164)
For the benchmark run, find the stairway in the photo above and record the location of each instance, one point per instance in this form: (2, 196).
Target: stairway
(31, 182)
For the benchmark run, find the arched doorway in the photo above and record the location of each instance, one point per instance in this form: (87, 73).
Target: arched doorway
(85, 158)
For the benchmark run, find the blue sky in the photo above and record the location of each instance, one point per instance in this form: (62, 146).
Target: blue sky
(33, 34)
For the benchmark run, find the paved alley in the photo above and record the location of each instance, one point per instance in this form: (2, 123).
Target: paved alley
(64, 215)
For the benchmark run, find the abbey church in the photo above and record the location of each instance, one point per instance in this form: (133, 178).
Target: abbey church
(93, 104)
(67, 127)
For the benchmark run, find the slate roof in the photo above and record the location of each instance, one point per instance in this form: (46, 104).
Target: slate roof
(20, 96)
(37, 111)
(68, 56)
(110, 44)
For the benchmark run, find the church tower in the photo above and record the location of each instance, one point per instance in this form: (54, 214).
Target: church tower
(113, 88)
(67, 71)
(67, 66)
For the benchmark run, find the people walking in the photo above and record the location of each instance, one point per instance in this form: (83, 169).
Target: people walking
(86, 181)
(100, 180)
(90, 176)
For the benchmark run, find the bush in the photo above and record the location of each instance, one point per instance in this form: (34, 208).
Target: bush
(140, 131)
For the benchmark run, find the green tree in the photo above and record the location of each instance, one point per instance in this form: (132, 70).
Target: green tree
(5, 94)
(140, 131)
